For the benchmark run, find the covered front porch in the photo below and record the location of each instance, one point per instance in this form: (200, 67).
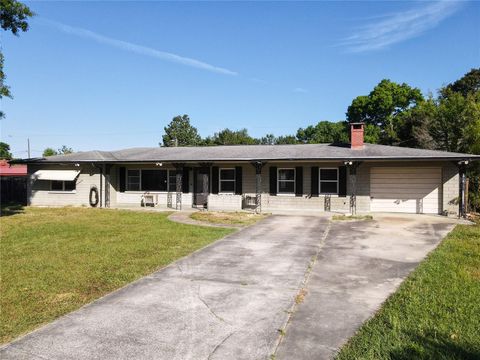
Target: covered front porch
(256, 186)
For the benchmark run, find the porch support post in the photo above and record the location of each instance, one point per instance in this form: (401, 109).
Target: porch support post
(106, 171)
(258, 165)
(352, 171)
(206, 178)
(462, 165)
(178, 184)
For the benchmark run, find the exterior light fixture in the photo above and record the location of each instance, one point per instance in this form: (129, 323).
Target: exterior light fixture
(158, 164)
(77, 164)
(348, 163)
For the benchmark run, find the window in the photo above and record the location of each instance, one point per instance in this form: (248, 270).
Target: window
(227, 180)
(154, 180)
(151, 180)
(286, 181)
(57, 185)
(172, 180)
(328, 180)
(133, 180)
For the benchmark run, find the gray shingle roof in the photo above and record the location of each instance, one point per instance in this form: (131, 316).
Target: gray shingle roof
(255, 152)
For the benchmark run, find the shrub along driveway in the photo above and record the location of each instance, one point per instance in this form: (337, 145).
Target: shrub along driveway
(232, 299)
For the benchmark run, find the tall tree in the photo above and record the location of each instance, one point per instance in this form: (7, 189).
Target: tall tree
(456, 122)
(286, 140)
(467, 84)
(49, 152)
(324, 132)
(181, 133)
(13, 17)
(231, 137)
(5, 151)
(64, 150)
(385, 107)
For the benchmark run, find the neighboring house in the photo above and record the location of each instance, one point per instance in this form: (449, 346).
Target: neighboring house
(319, 177)
(13, 183)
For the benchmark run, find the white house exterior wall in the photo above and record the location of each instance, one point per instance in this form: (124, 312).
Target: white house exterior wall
(40, 194)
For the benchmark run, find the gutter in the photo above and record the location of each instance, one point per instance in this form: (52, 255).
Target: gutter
(345, 158)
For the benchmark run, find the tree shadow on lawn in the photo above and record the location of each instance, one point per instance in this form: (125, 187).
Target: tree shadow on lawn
(11, 209)
(439, 347)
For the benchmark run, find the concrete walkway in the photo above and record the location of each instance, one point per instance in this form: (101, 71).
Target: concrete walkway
(360, 265)
(226, 301)
(183, 217)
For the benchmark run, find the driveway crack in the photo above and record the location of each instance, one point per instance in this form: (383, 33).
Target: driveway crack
(209, 308)
(219, 344)
(303, 287)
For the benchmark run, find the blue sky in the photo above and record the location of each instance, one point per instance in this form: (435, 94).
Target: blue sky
(110, 75)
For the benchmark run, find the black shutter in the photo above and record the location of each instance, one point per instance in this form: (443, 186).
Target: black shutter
(314, 180)
(214, 179)
(342, 181)
(273, 180)
(238, 180)
(195, 175)
(299, 181)
(186, 180)
(122, 174)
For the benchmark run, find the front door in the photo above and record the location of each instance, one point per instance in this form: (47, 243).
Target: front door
(201, 186)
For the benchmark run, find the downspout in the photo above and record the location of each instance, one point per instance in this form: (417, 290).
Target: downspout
(101, 185)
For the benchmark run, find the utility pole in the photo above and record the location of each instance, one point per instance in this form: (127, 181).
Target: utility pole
(28, 142)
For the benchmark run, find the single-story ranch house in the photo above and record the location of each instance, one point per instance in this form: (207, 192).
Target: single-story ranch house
(319, 177)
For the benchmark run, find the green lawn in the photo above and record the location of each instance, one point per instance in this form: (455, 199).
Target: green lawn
(228, 218)
(435, 314)
(53, 261)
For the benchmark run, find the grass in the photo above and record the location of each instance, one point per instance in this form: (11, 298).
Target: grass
(227, 218)
(435, 314)
(352, 217)
(53, 261)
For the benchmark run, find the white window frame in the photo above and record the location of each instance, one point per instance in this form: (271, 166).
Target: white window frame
(331, 181)
(140, 179)
(226, 180)
(63, 187)
(294, 181)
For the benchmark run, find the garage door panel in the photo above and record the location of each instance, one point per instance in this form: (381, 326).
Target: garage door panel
(407, 190)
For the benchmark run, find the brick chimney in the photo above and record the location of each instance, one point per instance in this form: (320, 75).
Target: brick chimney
(356, 136)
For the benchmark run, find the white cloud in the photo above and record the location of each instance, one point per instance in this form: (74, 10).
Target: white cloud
(138, 49)
(300, 90)
(400, 26)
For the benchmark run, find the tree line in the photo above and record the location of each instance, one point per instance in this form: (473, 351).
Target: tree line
(394, 114)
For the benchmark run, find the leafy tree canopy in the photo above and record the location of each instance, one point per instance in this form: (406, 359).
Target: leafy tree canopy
(5, 151)
(181, 133)
(384, 107)
(231, 137)
(13, 17)
(64, 150)
(324, 132)
(286, 140)
(467, 84)
(49, 152)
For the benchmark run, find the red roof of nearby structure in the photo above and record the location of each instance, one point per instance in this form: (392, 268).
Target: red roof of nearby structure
(12, 170)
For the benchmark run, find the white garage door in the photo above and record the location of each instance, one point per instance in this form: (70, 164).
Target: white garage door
(406, 190)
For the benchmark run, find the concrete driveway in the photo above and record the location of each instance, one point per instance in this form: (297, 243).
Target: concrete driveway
(230, 300)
